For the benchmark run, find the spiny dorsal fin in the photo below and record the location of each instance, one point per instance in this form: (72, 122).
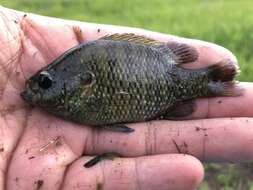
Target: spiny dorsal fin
(180, 52)
(130, 37)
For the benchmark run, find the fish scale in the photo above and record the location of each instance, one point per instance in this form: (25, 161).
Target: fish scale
(135, 87)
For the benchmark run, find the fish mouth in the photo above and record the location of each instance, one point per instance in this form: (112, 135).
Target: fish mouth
(29, 97)
(25, 96)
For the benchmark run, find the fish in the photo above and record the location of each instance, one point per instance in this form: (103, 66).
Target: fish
(126, 78)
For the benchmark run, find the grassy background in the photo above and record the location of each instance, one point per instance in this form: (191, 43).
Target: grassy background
(226, 22)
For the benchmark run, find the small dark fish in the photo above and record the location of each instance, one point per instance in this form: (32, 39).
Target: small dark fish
(126, 78)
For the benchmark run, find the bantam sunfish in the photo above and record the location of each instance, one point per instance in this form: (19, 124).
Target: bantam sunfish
(126, 78)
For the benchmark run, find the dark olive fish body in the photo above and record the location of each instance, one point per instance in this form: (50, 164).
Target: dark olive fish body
(120, 80)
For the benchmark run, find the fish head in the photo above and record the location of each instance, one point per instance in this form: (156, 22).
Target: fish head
(38, 88)
(42, 89)
(52, 88)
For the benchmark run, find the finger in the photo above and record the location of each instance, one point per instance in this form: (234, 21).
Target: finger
(172, 172)
(224, 139)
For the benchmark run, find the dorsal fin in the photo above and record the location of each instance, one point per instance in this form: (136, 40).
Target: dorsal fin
(130, 37)
(180, 52)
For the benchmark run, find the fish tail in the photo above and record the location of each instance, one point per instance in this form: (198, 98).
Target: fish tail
(230, 88)
(222, 71)
(221, 80)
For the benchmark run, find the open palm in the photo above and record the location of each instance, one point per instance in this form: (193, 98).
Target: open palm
(40, 151)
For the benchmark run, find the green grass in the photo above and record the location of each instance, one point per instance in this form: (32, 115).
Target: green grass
(226, 22)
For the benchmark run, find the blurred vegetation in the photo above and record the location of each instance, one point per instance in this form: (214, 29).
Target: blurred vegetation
(226, 22)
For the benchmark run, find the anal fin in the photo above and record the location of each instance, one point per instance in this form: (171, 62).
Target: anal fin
(118, 128)
(180, 110)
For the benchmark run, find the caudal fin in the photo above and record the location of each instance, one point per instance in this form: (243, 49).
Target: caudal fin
(222, 79)
(231, 88)
(222, 71)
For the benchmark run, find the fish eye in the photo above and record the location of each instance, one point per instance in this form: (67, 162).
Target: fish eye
(44, 80)
(87, 78)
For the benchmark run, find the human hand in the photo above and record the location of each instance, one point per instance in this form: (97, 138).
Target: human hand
(41, 151)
